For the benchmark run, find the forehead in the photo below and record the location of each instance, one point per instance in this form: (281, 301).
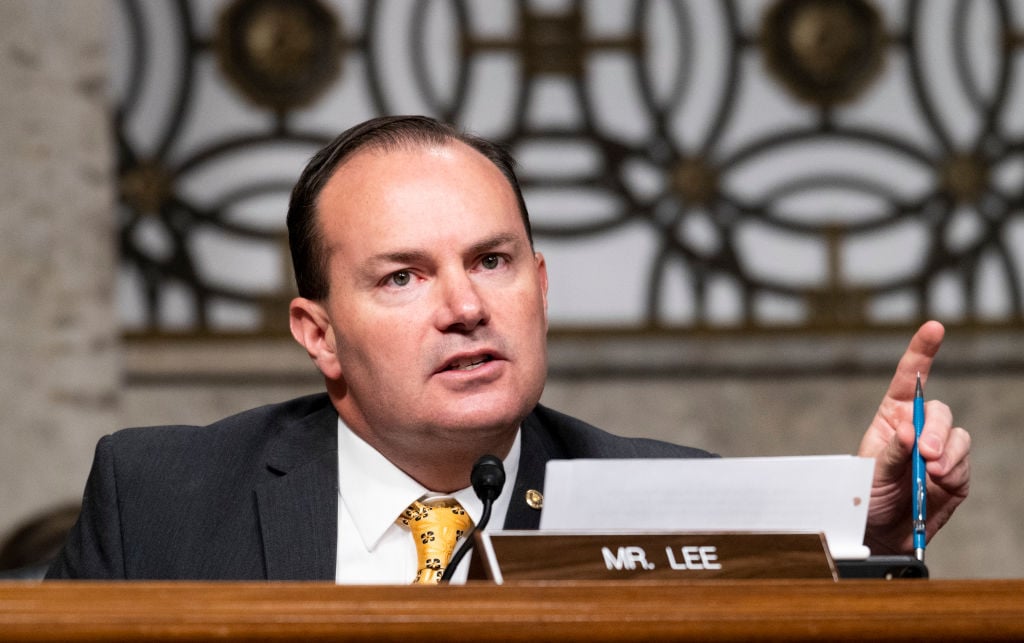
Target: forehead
(410, 159)
(436, 184)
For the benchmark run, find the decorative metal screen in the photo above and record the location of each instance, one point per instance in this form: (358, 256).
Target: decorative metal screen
(688, 165)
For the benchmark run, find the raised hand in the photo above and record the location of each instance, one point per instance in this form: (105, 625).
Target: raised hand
(890, 441)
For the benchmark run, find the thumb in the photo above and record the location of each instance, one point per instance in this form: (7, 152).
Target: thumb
(892, 460)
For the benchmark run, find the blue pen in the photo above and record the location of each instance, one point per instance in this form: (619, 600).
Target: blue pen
(920, 490)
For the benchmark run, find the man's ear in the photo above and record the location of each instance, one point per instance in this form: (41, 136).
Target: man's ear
(542, 275)
(311, 327)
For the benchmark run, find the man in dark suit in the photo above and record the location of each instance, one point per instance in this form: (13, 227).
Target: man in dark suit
(424, 305)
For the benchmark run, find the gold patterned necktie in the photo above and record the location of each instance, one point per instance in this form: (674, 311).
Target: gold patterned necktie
(436, 527)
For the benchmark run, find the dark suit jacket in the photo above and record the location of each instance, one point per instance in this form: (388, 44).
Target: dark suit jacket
(254, 496)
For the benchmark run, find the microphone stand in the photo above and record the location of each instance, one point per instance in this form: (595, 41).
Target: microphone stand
(488, 478)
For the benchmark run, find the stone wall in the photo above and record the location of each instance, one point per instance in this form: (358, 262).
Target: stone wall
(59, 340)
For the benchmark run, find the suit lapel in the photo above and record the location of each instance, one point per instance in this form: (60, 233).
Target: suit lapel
(537, 448)
(298, 509)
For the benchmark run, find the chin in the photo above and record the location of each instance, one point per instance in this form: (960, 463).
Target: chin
(495, 416)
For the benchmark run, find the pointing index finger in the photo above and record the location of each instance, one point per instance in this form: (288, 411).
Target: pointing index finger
(918, 358)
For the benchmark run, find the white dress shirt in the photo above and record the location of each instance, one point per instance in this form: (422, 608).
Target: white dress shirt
(372, 492)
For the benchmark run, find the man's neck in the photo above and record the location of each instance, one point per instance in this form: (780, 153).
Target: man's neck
(445, 468)
(438, 460)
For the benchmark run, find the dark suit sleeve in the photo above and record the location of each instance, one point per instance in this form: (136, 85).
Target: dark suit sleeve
(93, 548)
(189, 502)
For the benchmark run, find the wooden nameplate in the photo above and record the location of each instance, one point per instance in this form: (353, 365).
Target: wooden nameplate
(539, 556)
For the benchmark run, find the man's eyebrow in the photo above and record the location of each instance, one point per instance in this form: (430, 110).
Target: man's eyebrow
(496, 241)
(413, 256)
(397, 256)
(369, 269)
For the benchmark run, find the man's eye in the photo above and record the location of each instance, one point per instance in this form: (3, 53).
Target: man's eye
(491, 262)
(401, 278)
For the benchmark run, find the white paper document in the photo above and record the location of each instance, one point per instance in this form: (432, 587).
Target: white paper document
(794, 494)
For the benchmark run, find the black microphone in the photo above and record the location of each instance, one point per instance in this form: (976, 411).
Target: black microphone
(487, 478)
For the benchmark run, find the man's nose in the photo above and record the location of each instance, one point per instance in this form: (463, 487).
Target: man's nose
(461, 308)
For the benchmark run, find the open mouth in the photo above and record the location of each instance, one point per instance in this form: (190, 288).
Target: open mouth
(468, 363)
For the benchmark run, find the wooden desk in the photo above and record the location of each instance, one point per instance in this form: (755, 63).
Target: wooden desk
(712, 610)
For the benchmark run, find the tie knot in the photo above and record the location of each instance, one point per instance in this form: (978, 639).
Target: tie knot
(436, 528)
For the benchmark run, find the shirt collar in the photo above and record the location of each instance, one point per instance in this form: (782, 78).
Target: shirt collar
(375, 491)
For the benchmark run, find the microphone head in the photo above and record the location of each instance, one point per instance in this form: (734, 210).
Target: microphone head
(487, 477)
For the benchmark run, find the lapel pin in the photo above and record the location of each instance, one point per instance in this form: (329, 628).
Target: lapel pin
(535, 499)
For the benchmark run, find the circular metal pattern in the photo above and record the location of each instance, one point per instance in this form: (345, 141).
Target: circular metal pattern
(965, 177)
(695, 181)
(281, 54)
(649, 116)
(146, 187)
(823, 51)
